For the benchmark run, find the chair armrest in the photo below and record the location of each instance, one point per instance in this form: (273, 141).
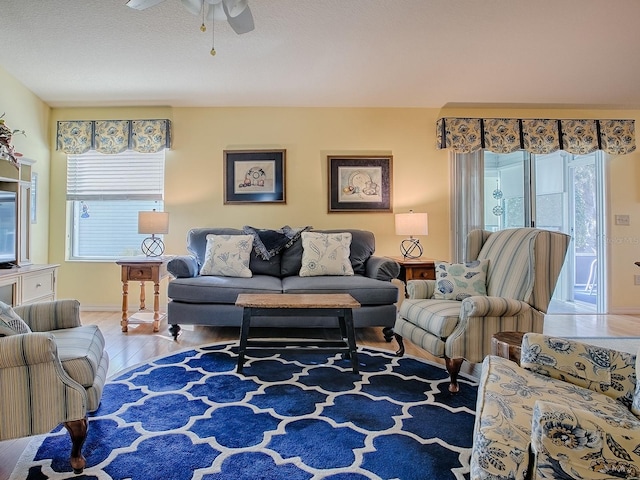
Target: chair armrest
(421, 289)
(568, 443)
(382, 268)
(183, 266)
(54, 315)
(600, 369)
(481, 306)
(27, 349)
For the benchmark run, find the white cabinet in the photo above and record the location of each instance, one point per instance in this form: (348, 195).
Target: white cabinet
(28, 284)
(18, 179)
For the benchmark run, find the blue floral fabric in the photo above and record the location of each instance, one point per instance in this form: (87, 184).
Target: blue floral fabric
(577, 423)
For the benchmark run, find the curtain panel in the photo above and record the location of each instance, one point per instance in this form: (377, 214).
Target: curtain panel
(539, 136)
(113, 136)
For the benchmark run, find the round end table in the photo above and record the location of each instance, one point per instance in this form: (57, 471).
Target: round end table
(507, 345)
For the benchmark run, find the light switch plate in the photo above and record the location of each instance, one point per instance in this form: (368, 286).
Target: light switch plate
(622, 220)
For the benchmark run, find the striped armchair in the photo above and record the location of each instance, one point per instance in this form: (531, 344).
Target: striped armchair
(53, 375)
(523, 268)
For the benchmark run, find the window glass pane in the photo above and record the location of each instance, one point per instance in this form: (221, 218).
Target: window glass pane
(108, 228)
(105, 194)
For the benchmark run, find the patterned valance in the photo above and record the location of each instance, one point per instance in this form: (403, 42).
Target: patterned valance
(506, 135)
(113, 136)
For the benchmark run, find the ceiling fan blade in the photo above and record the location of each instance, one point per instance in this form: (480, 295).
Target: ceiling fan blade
(241, 23)
(142, 4)
(193, 6)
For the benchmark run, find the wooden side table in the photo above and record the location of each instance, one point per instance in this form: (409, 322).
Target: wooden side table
(142, 269)
(507, 345)
(416, 268)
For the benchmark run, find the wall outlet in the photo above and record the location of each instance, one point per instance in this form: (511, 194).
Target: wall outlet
(623, 220)
(636, 279)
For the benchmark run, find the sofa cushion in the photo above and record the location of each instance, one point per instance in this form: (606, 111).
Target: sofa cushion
(80, 350)
(438, 317)
(457, 281)
(507, 395)
(365, 290)
(10, 322)
(600, 369)
(220, 290)
(325, 254)
(228, 255)
(197, 246)
(362, 247)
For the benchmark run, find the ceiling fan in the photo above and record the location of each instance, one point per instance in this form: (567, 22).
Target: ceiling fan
(236, 12)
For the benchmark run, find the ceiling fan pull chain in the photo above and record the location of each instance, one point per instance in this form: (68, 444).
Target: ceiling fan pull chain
(213, 36)
(203, 27)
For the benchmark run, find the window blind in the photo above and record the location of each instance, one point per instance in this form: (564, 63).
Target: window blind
(126, 176)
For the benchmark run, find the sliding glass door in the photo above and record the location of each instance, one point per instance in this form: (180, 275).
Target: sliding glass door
(559, 192)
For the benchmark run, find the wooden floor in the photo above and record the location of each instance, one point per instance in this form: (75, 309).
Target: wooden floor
(140, 344)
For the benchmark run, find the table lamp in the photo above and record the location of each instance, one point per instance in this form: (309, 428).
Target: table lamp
(153, 223)
(411, 224)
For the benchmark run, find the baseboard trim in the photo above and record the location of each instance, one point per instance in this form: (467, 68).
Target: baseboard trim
(114, 308)
(625, 311)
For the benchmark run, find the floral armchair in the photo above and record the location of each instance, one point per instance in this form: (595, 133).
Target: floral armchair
(570, 411)
(52, 371)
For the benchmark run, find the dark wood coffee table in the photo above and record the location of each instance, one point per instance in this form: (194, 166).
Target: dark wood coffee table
(338, 305)
(507, 345)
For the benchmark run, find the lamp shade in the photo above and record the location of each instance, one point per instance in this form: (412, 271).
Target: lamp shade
(153, 222)
(412, 223)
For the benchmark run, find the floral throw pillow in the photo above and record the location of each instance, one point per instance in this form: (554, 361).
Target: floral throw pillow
(326, 254)
(457, 281)
(228, 255)
(10, 322)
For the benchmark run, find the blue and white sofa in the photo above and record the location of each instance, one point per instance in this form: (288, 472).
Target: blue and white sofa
(570, 411)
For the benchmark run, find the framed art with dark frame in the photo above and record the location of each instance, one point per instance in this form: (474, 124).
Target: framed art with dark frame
(360, 183)
(254, 176)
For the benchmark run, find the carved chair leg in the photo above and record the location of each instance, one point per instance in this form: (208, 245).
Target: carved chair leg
(453, 367)
(400, 351)
(78, 432)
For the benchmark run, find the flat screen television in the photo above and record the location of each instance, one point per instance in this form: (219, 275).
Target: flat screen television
(8, 229)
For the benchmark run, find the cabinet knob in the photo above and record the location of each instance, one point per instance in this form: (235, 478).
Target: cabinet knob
(38, 285)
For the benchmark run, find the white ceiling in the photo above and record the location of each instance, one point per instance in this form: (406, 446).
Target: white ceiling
(386, 53)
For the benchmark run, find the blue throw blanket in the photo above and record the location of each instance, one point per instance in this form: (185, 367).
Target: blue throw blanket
(268, 243)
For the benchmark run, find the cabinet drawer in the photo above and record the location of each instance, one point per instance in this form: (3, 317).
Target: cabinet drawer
(37, 286)
(140, 273)
(421, 273)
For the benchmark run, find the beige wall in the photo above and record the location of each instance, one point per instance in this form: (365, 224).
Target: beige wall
(194, 171)
(194, 184)
(24, 111)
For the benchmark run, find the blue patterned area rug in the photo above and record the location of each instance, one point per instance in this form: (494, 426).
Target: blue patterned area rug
(294, 415)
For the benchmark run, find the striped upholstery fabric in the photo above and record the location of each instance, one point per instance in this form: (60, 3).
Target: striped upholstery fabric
(510, 255)
(550, 250)
(80, 350)
(36, 391)
(47, 316)
(524, 265)
(421, 288)
(438, 317)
